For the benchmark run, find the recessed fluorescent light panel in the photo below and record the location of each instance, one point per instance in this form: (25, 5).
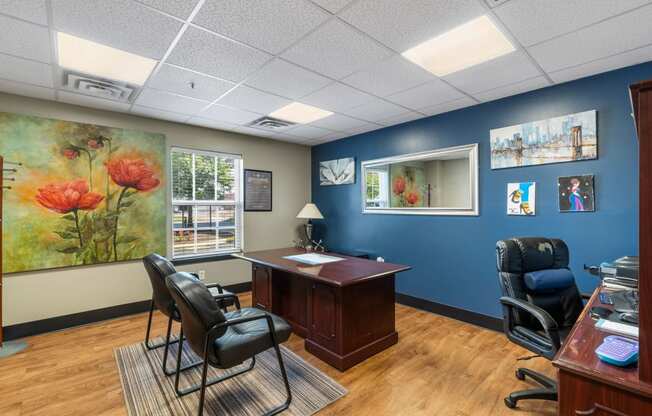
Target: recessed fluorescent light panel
(103, 61)
(462, 47)
(300, 113)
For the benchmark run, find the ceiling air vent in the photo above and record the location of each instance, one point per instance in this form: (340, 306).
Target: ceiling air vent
(99, 87)
(270, 123)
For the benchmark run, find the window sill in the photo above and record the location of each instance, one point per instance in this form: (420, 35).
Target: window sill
(202, 259)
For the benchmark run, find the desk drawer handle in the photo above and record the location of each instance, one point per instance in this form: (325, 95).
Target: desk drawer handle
(599, 407)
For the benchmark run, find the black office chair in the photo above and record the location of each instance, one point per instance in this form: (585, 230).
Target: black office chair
(158, 268)
(540, 303)
(224, 340)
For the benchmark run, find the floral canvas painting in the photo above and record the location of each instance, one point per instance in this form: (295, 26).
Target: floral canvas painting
(337, 172)
(409, 188)
(86, 194)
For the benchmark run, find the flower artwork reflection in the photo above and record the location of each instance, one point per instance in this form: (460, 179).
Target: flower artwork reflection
(89, 194)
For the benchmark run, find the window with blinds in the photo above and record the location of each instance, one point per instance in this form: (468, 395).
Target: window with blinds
(206, 203)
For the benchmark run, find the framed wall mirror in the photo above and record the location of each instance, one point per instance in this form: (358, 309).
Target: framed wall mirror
(435, 182)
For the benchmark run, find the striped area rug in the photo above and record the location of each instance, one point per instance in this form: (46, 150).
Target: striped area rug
(148, 391)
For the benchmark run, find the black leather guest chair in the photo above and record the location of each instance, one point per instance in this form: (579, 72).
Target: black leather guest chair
(224, 340)
(158, 268)
(540, 303)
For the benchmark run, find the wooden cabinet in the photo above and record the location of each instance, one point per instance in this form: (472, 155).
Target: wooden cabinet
(322, 314)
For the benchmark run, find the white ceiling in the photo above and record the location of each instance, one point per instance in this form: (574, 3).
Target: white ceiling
(248, 58)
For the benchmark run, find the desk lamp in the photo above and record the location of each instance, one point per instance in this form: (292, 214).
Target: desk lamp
(310, 212)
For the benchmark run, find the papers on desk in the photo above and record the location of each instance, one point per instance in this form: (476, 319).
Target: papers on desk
(313, 258)
(617, 328)
(214, 291)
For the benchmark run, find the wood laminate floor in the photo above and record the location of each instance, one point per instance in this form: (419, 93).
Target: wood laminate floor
(439, 367)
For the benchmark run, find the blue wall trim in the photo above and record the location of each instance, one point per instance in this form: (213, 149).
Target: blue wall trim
(453, 258)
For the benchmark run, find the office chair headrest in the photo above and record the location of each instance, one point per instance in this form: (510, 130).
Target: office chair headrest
(528, 254)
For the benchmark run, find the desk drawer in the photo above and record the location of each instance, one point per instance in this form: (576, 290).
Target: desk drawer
(581, 396)
(261, 287)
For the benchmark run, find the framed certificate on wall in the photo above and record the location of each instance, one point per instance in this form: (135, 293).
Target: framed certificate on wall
(257, 190)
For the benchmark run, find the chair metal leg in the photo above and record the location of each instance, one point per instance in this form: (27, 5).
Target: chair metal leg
(288, 392)
(179, 353)
(149, 345)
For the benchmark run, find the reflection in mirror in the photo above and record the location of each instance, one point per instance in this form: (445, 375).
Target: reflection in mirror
(442, 181)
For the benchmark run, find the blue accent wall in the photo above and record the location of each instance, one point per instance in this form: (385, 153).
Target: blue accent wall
(453, 258)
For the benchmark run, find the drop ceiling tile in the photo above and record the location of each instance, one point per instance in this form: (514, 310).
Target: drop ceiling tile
(181, 9)
(23, 70)
(247, 98)
(401, 118)
(507, 69)
(24, 39)
(122, 24)
(336, 50)
(214, 55)
(93, 102)
(212, 124)
(229, 115)
(376, 110)
(365, 129)
(513, 89)
(426, 95)
(556, 17)
(178, 80)
(619, 34)
(26, 90)
(402, 24)
(271, 25)
(162, 100)
(308, 132)
(256, 132)
(339, 122)
(389, 77)
(610, 63)
(449, 106)
(332, 6)
(32, 10)
(159, 114)
(286, 79)
(337, 97)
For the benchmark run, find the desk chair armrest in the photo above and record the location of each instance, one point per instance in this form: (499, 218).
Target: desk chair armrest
(217, 330)
(586, 296)
(236, 300)
(219, 287)
(547, 322)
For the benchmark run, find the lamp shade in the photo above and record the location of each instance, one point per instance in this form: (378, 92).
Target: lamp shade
(311, 212)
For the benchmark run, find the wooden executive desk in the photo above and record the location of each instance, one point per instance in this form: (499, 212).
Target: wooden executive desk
(587, 386)
(344, 310)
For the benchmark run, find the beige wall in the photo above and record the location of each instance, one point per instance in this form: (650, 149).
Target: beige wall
(40, 295)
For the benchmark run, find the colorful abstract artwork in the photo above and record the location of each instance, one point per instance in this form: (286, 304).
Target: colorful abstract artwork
(409, 188)
(86, 194)
(576, 193)
(337, 172)
(561, 139)
(521, 198)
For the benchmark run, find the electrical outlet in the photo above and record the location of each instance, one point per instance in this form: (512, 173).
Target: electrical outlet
(201, 274)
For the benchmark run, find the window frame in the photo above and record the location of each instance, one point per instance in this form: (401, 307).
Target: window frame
(237, 203)
(472, 209)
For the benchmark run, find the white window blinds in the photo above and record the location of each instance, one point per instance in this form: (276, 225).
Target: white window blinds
(206, 203)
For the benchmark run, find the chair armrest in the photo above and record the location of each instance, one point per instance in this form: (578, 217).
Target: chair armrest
(586, 296)
(547, 322)
(219, 287)
(216, 329)
(233, 296)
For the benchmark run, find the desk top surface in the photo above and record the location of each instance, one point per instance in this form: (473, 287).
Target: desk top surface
(578, 354)
(349, 271)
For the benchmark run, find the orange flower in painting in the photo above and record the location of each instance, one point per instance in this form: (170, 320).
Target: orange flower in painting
(412, 198)
(68, 196)
(399, 185)
(132, 174)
